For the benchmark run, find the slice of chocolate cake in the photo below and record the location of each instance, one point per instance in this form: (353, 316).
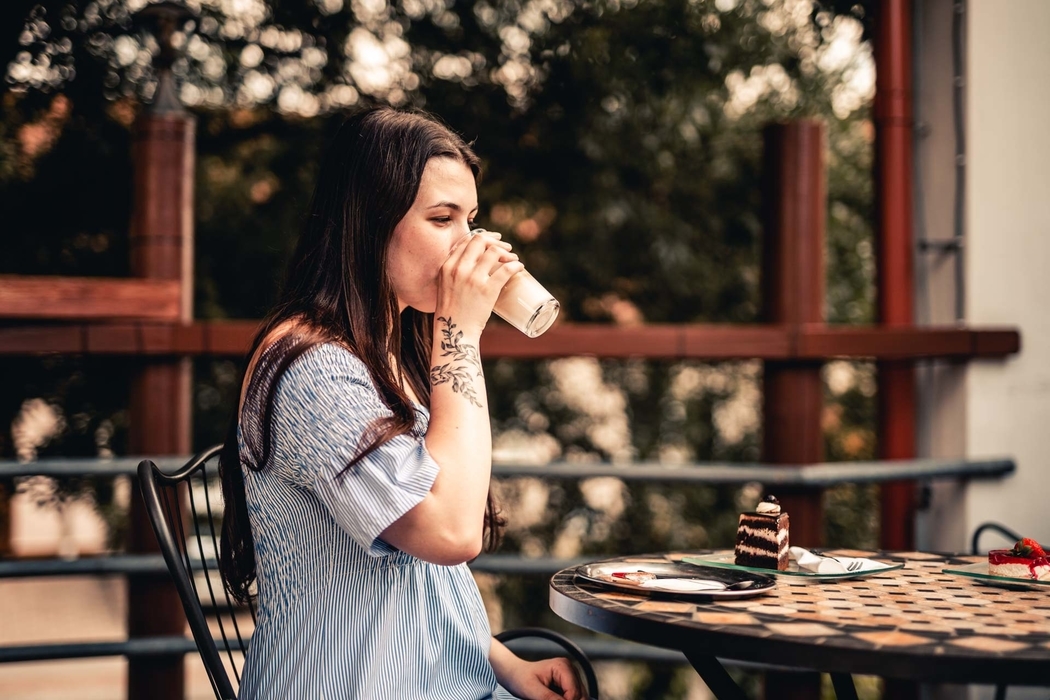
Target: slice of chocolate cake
(762, 537)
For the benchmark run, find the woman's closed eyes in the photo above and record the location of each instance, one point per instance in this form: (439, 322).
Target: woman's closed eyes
(445, 220)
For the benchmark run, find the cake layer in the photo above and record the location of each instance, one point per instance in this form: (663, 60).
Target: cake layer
(762, 540)
(1003, 562)
(761, 560)
(1013, 570)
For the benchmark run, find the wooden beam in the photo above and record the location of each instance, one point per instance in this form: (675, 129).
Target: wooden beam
(687, 341)
(736, 342)
(906, 343)
(657, 341)
(38, 340)
(996, 342)
(88, 298)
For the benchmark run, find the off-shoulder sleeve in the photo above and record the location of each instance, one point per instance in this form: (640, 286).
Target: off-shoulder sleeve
(327, 403)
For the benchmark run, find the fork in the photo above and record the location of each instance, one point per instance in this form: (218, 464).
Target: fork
(850, 566)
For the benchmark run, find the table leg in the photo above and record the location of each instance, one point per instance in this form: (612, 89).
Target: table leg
(844, 688)
(717, 678)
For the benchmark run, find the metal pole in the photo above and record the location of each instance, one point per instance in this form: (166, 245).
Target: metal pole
(161, 248)
(793, 295)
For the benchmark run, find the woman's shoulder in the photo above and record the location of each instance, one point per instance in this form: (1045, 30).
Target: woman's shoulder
(327, 386)
(326, 358)
(327, 362)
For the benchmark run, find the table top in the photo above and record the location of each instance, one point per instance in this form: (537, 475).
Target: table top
(915, 623)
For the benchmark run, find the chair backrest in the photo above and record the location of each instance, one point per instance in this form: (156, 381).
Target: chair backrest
(994, 527)
(185, 510)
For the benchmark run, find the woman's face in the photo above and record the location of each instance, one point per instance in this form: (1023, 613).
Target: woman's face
(443, 212)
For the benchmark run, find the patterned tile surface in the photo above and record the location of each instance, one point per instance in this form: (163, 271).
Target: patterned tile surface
(915, 611)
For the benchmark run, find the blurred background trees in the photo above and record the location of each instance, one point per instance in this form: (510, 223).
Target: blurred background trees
(621, 144)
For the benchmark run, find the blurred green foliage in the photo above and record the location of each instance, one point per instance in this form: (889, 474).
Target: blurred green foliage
(622, 148)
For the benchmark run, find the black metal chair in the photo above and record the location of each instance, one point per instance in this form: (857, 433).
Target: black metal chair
(994, 527)
(190, 546)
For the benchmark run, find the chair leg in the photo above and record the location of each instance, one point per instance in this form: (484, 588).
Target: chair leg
(716, 677)
(1000, 692)
(844, 688)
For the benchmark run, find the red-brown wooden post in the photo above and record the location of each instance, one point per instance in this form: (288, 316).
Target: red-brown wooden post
(793, 294)
(894, 124)
(161, 248)
(893, 167)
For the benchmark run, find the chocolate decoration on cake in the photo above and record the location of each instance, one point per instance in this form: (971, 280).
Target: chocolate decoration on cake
(762, 537)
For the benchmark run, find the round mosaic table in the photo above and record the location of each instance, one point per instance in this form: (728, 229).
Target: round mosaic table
(912, 623)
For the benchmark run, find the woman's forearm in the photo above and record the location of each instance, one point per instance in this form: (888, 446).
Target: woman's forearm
(502, 660)
(447, 527)
(460, 436)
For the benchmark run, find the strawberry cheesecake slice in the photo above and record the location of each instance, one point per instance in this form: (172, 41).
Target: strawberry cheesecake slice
(1026, 560)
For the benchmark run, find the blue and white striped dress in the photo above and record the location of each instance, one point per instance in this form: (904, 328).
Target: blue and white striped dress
(341, 613)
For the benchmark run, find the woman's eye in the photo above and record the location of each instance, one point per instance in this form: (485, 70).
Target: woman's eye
(442, 219)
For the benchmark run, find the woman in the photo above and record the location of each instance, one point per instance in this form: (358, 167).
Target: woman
(356, 471)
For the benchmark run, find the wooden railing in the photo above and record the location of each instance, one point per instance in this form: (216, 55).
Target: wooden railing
(658, 342)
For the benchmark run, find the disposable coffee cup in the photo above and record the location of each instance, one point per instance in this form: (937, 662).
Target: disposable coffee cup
(524, 303)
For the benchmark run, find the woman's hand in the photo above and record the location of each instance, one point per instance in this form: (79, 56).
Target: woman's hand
(471, 278)
(548, 679)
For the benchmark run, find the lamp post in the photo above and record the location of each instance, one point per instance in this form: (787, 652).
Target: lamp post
(161, 243)
(162, 20)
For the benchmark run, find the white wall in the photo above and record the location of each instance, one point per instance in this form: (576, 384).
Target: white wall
(1008, 256)
(989, 408)
(942, 386)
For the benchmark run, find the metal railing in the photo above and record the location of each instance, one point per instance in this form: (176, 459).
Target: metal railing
(808, 475)
(815, 475)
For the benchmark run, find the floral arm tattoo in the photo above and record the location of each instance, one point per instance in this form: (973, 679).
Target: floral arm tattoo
(460, 369)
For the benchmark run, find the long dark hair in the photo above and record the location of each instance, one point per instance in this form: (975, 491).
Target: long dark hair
(337, 291)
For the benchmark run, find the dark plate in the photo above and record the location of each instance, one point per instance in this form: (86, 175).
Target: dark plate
(665, 578)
